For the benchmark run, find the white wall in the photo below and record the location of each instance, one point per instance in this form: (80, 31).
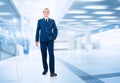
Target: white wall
(107, 38)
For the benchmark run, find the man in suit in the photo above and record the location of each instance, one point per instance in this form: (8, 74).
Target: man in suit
(47, 32)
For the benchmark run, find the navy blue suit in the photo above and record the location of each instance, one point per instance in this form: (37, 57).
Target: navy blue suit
(47, 33)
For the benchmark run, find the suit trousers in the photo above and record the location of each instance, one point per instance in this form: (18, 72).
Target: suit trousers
(50, 47)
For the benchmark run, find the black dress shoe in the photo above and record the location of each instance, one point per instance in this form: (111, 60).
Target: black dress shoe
(53, 74)
(44, 72)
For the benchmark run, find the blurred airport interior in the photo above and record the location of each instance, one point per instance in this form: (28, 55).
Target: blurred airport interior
(86, 49)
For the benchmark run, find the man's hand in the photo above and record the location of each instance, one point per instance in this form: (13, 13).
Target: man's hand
(36, 43)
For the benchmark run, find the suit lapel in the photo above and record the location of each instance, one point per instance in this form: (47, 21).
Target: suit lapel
(49, 20)
(44, 20)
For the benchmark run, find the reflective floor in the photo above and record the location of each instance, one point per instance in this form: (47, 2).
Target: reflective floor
(72, 66)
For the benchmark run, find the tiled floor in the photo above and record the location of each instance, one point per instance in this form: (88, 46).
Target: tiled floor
(72, 66)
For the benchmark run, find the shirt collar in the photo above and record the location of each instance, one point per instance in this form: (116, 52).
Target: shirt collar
(46, 18)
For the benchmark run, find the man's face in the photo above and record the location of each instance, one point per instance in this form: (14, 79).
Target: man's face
(46, 13)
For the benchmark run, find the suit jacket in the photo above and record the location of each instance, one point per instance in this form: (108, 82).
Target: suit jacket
(46, 31)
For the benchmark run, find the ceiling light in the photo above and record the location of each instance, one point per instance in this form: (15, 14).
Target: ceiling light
(68, 20)
(63, 25)
(118, 8)
(95, 7)
(90, 20)
(74, 22)
(90, 0)
(100, 25)
(82, 16)
(5, 14)
(79, 25)
(103, 12)
(112, 21)
(108, 17)
(96, 23)
(117, 26)
(14, 20)
(1, 3)
(101, 30)
(76, 12)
